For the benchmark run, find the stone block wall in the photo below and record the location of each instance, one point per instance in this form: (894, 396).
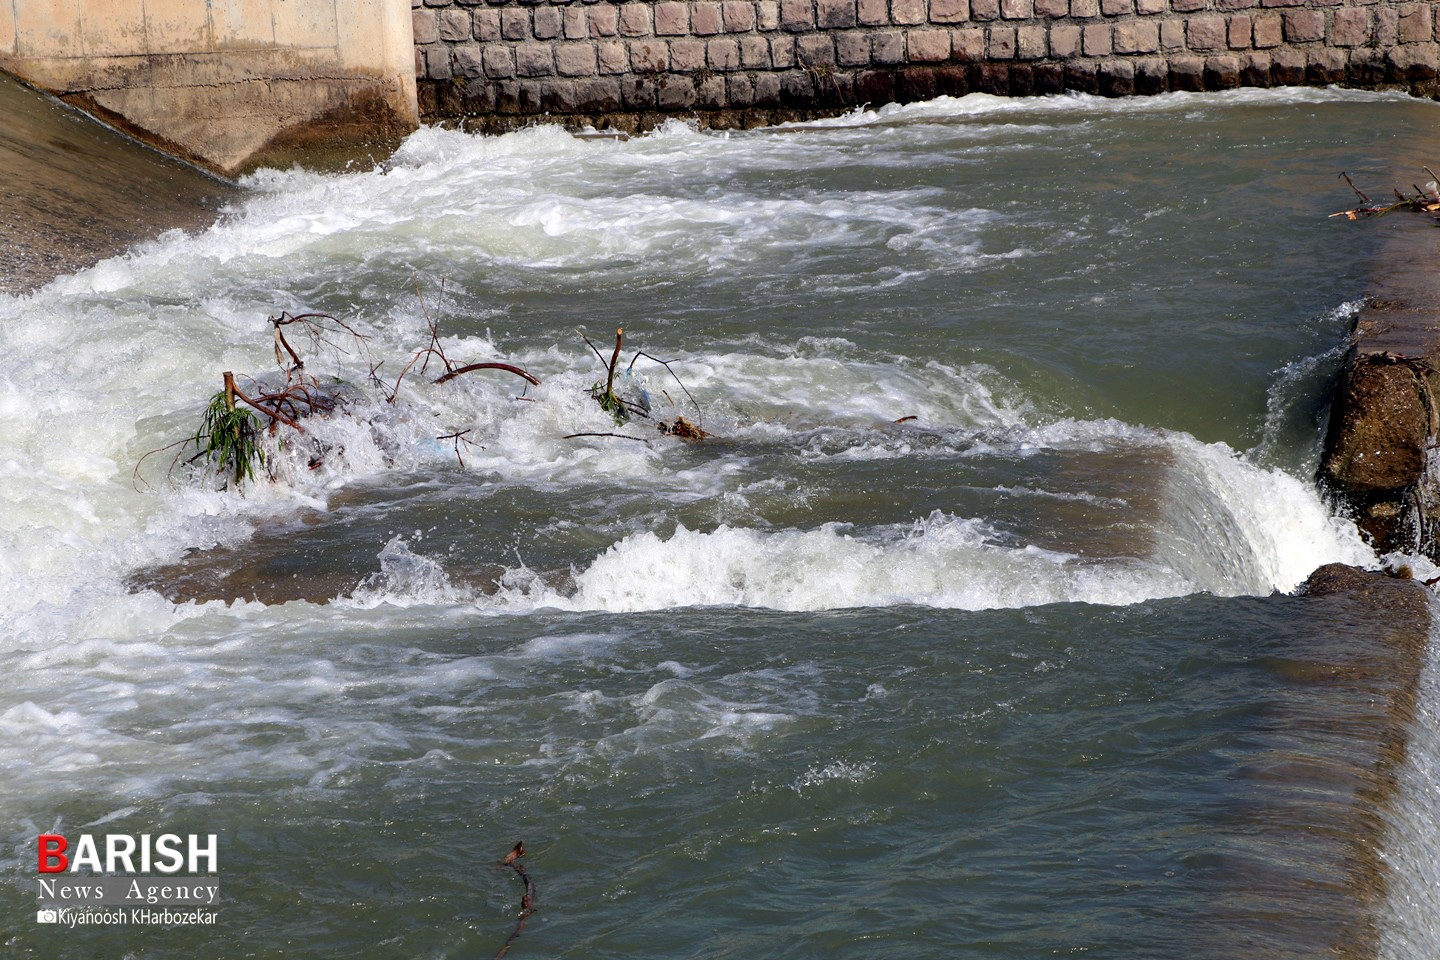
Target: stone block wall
(496, 64)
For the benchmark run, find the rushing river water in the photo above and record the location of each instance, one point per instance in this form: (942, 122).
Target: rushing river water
(966, 634)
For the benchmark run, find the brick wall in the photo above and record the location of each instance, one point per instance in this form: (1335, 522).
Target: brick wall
(630, 64)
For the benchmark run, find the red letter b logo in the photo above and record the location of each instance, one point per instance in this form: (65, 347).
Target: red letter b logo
(52, 853)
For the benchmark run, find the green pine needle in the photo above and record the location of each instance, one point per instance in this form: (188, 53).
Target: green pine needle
(229, 438)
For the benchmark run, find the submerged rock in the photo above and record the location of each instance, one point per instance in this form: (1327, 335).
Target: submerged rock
(1392, 588)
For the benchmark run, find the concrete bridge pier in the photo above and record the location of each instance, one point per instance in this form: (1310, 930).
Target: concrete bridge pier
(229, 85)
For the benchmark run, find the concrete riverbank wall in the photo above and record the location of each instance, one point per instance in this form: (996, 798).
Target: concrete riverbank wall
(500, 63)
(233, 84)
(227, 84)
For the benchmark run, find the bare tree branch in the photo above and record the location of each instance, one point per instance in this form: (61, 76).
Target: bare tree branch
(527, 901)
(492, 365)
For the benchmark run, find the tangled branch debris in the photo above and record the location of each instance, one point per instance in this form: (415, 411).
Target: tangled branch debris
(435, 349)
(527, 900)
(314, 325)
(457, 438)
(228, 438)
(623, 408)
(1426, 200)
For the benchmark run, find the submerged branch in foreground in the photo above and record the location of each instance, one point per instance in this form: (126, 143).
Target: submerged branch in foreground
(527, 901)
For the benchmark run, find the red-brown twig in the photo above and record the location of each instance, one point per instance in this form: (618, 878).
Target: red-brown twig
(457, 438)
(527, 901)
(314, 328)
(699, 414)
(135, 477)
(598, 355)
(434, 348)
(406, 369)
(301, 399)
(1358, 192)
(493, 365)
(269, 412)
(614, 359)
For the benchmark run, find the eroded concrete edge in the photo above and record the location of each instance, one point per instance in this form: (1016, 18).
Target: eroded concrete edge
(1379, 464)
(1379, 467)
(1383, 669)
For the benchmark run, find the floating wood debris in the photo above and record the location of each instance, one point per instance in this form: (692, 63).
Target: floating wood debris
(228, 439)
(636, 404)
(491, 365)
(682, 428)
(435, 350)
(527, 900)
(1423, 200)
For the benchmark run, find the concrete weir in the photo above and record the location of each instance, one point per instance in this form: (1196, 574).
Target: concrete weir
(1379, 461)
(230, 84)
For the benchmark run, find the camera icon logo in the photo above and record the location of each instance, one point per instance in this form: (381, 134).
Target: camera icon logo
(47, 916)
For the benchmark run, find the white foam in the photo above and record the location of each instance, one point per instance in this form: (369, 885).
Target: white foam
(99, 367)
(407, 578)
(1234, 528)
(1226, 526)
(944, 561)
(984, 105)
(839, 770)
